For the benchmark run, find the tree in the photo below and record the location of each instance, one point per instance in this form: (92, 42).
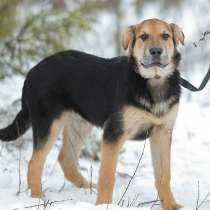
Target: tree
(31, 30)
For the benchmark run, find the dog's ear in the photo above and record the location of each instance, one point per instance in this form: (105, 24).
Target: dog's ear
(128, 36)
(178, 34)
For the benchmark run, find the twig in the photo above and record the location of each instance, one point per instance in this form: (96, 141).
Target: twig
(203, 38)
(204, 200)
(19, 172)
(91, 179)
(135, 199)
(38, 204)
(128, 202)
(78, 134)
(63, 186)
(19, 162)
(153, 202)
(45, 204)
(198, 196)
(126, 189)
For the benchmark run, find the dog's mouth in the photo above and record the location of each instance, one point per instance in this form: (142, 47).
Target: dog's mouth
(153, 64)
(148, 61)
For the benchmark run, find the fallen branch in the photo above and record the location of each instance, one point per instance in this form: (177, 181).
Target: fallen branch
(153, 202)
(45, 204)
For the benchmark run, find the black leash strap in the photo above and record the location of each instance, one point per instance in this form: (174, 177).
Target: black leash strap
(190, 87)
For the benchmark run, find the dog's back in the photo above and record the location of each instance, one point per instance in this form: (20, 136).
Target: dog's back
(77, 81)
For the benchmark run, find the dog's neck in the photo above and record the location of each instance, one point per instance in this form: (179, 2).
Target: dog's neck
(158, 88)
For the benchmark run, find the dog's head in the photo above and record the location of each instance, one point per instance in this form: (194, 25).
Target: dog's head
(153, 44)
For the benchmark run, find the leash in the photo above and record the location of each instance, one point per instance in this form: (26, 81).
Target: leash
(184, 83)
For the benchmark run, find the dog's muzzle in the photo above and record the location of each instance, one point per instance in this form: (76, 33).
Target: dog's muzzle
(155, 58)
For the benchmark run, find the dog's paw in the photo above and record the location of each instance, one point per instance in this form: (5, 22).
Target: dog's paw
(39, 195)
(171, 206)
(176, 206)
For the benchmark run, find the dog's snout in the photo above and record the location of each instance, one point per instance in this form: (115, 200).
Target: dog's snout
(155, 51)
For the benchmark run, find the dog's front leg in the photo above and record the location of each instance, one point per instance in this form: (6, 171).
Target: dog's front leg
(109, 156)
(161, 151)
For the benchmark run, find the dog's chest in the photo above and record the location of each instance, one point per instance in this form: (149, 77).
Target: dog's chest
(158, 108)
(156, 100)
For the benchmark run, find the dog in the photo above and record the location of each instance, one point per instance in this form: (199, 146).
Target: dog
(130, 97)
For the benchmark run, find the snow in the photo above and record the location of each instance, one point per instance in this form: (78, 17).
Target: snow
(15, 84)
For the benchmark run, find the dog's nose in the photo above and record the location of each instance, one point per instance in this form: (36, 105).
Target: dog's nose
(155, 51)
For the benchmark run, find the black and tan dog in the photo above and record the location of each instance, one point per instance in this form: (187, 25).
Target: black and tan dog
(133, 96)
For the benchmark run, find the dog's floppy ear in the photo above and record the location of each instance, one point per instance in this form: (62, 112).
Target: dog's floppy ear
(128, 36)
(178, 34)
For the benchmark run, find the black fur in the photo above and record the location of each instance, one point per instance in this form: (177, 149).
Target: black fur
(113, 127)
(18, 127)
(144, 135)
(95, 87)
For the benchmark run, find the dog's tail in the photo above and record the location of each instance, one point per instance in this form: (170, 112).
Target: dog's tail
(18, 127)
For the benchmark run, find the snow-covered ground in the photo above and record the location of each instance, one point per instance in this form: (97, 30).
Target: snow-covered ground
(190, 167)
(190, 150)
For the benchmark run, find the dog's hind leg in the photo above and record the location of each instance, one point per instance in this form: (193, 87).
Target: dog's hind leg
(75, 133)
(42, 146)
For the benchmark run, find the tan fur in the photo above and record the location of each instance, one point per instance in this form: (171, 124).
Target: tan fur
(154, 28)
(178, 34)
(36, 163)
(75, 133)
(73, 141)
(133, 116)
(161, 152)
(160, 149)
(109, 157)
(158, 108)
(135, 120)
(127, 36)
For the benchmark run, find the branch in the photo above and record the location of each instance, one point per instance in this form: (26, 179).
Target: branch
(198, 197)
(136, 169)
(204, 200)
(203, 38)
(45, 204)
(153, 202)
(26, 25)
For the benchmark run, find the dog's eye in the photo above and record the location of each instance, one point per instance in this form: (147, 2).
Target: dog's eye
(144, 37)
(165, 36)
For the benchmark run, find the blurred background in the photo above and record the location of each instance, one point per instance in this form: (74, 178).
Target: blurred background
(31, 30)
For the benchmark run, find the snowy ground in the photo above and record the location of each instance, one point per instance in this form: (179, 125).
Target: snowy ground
(190, 167)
